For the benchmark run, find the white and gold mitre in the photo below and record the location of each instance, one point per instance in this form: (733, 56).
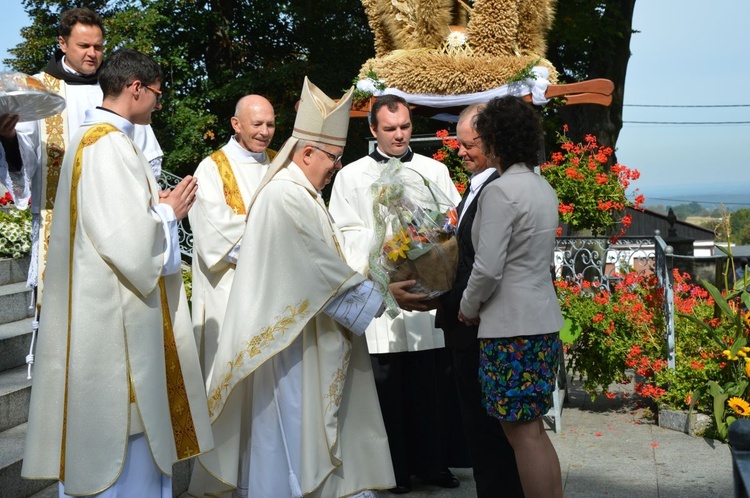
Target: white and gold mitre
(320, 118)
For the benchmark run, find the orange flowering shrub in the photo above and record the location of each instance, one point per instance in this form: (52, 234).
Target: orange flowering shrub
(608, 323)
(621, 329)
(590, 196)
(448, 155)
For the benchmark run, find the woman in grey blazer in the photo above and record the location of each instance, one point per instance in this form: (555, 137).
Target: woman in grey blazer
(510, 293)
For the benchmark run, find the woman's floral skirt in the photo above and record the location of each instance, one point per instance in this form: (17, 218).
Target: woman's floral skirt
(518, 374)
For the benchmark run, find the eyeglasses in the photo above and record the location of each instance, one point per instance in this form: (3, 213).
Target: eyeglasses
(158, 93)
(332, 157)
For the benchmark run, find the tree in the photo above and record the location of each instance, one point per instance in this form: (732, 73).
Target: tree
(591, 39)
(215, 51)
(739, 220)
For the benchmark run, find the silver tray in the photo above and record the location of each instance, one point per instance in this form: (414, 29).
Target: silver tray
(31, 105)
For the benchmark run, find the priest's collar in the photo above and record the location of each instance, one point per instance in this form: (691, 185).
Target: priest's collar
(103, 115)
(258, 157)
(380, 157)
(57, 68)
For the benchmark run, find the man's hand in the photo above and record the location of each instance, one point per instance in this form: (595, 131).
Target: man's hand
(411, 302)
(182, 197)
(468, 321)
(8, 125)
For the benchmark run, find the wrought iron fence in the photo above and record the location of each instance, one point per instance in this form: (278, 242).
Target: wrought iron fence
(604, 263)
(168, 180)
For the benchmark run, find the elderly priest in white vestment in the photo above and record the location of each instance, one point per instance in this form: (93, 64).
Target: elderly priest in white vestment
(292, 398)
(228, 178)
(118, 396)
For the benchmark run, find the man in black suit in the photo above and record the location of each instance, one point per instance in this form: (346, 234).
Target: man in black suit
(493, 460)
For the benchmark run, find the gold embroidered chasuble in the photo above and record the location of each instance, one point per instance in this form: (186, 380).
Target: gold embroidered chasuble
(110, 321)
(290, 265)
(228, 179)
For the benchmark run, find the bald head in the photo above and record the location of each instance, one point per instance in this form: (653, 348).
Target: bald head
(468, 143)
(254, 123)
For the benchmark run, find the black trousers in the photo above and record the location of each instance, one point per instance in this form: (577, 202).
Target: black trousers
(492, 457)
(407, 385)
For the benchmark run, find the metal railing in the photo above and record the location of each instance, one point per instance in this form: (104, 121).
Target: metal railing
(168, 180)
(604, 263)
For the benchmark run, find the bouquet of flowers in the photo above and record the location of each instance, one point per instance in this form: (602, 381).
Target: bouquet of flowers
(414, 233)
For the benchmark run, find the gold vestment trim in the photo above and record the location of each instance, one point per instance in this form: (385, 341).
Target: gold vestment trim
(253, 348)
(52, 135)
(183, 429)
(232, 194)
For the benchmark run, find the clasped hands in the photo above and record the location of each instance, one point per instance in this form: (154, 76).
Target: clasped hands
(466, 320)
(182, 197)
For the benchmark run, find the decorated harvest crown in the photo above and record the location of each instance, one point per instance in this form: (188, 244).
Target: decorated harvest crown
(444, 53)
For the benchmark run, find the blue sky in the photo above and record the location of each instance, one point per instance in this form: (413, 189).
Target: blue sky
(687, 53)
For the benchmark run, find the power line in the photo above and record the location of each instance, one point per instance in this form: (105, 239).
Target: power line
(687, 201)
(689, 122)
(687, 106)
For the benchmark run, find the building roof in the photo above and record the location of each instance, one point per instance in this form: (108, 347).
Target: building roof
(646, 222)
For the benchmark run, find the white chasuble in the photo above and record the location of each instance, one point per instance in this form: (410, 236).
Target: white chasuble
(281, 359)
(113, 332)
(351, 208)
(227, 182)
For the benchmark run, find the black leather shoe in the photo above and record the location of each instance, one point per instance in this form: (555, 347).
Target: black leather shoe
(445, 479)
(400, 490)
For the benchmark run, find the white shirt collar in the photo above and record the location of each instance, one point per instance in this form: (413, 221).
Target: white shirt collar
(98, 115)
(69, 69)
(478, 179)
(244, 153)
(408, 149)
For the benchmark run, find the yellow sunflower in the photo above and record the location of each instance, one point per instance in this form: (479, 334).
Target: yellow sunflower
(747, 367)
(747, 319)
(740, 406)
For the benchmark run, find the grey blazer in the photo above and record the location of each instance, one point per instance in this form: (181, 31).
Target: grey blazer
(510, 287)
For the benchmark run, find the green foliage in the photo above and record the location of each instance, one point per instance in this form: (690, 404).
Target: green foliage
(693, 208)
(213, 53)
(740, 223)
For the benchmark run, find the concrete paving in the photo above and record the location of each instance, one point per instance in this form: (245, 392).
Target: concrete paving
(610, 448)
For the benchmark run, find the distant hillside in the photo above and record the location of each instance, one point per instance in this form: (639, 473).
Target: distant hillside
(732, 195)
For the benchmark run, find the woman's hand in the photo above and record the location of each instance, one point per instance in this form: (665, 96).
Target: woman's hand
(468, 321)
